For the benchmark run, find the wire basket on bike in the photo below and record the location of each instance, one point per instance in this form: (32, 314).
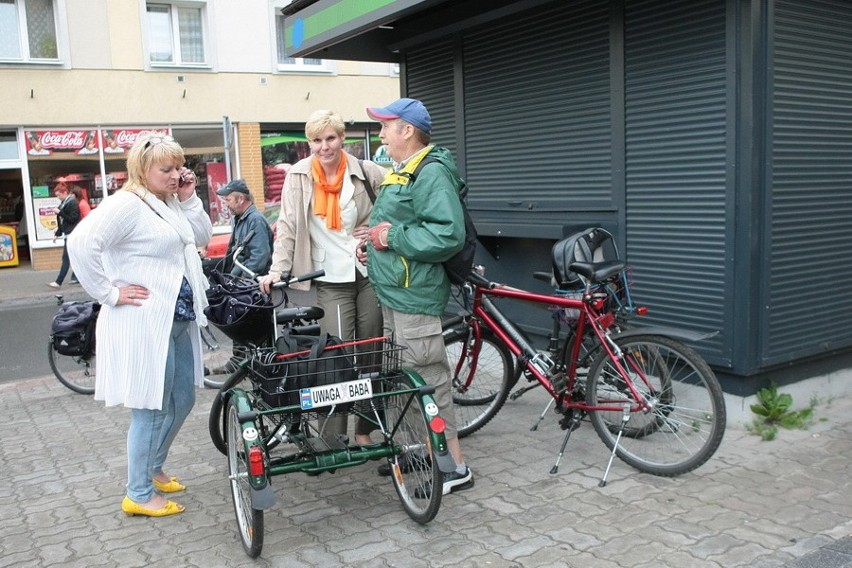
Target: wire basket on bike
(324, 372)
(240, 309)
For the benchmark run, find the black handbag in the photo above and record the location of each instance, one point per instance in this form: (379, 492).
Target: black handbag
(238, 308)
(304, 361)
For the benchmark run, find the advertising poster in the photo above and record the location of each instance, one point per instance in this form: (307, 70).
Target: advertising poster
(44, 215)
(47, 142)
(217, 176)
(119, 140)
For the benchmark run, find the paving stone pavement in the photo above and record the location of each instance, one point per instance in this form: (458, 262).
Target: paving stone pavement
(785, 503)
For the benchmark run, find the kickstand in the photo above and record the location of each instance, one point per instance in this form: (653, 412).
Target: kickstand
(575, 423)
(520, 392)
(541, 416)
(625, 417)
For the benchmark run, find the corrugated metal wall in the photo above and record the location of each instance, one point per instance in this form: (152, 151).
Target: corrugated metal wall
(675, 142)
(550, 112)
(809, 306)
(433, 83)
(538, 133)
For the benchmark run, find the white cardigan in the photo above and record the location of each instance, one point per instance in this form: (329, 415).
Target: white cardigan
(122, 242)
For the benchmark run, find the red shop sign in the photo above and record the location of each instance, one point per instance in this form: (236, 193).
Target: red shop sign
(46, 142)
(118, 140)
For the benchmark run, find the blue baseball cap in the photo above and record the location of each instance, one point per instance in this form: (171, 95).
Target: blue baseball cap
(409, 110)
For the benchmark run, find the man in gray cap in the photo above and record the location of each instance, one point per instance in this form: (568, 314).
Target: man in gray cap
(257, 250)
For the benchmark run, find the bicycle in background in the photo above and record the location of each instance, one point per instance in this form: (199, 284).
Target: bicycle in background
(72, 355)
(653, 401)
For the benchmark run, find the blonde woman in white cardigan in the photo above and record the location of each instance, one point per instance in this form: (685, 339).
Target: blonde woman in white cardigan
(136, 253)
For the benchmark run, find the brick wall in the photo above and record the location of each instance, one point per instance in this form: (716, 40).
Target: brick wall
(251, 160)
(47, 259)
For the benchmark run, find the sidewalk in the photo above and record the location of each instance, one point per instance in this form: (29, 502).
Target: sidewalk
(21, 285)
(785, 503)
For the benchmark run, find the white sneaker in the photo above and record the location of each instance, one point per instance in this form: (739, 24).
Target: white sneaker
(54, 285)
(455, 481)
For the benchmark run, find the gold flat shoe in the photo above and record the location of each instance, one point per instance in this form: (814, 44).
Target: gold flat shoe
(170, 486)
(131, 507)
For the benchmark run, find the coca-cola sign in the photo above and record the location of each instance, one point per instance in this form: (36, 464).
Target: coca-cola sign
(116, 141)
(45, 142)
(82, 142)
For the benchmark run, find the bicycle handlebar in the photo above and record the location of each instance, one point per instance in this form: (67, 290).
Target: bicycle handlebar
(302, 278)
(479, 280)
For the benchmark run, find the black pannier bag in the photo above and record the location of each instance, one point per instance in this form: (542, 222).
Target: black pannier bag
(303, 361)
(238, 307)
(73, 328)
(590, 245)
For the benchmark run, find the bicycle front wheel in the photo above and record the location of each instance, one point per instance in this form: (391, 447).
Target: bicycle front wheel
(481, 380)
(684, 421)
(217, 419)
(217, 351)
(75, 372)
(416, 477)
(249, 519)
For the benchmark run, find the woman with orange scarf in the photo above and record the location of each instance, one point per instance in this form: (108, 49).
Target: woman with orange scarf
(325, 206)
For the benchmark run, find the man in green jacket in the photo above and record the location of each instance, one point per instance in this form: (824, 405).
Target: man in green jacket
(415, 225)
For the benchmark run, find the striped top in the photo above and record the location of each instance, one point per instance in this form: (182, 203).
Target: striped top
(122, 242)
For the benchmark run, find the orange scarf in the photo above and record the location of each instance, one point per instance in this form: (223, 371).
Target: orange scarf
(326, 195)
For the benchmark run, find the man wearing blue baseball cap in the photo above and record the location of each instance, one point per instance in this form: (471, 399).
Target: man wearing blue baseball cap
(416, 224)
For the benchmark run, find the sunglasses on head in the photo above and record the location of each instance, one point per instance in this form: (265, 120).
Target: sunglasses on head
(153, 140)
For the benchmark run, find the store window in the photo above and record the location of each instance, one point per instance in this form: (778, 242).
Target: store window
(95, 161)
(8, 145)
(28, 30)
(283, 148)
(285, 63)
(176, 34)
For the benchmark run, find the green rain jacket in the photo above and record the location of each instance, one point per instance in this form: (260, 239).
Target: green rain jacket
(427, 228)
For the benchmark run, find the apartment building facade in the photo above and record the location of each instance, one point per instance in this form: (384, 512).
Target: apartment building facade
(81, 79)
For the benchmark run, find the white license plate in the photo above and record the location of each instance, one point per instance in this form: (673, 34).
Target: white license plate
(338, 393)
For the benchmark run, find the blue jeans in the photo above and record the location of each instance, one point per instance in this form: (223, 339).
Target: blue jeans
(65, 267)
(152, 432)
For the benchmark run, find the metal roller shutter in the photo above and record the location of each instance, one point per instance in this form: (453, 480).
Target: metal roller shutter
(430, 80)
(675, 127)
(538, 135)
(811, 199)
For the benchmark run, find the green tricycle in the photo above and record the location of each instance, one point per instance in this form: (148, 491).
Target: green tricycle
(269, 416)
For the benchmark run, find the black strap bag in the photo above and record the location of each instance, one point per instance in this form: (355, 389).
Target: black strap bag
(238, 307)
(304, 361)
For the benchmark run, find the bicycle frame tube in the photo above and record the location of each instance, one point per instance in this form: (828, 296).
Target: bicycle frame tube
(485, 310)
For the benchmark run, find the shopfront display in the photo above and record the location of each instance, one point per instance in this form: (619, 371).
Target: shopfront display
(93, 159)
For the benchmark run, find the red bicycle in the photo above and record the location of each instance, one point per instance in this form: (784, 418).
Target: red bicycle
(653, 401)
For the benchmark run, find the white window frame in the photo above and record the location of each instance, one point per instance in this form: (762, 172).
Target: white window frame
(23, 37)
(303, 65)
(173, 6)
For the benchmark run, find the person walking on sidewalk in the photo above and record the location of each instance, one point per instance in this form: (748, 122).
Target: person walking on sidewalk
(67, 217)
(136, 254)
(416, 224)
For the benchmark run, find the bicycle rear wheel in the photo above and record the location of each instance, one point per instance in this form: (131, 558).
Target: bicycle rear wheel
(480, 382)
(75, 372)
(686, 421)
(249, 519)
(416, 477)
